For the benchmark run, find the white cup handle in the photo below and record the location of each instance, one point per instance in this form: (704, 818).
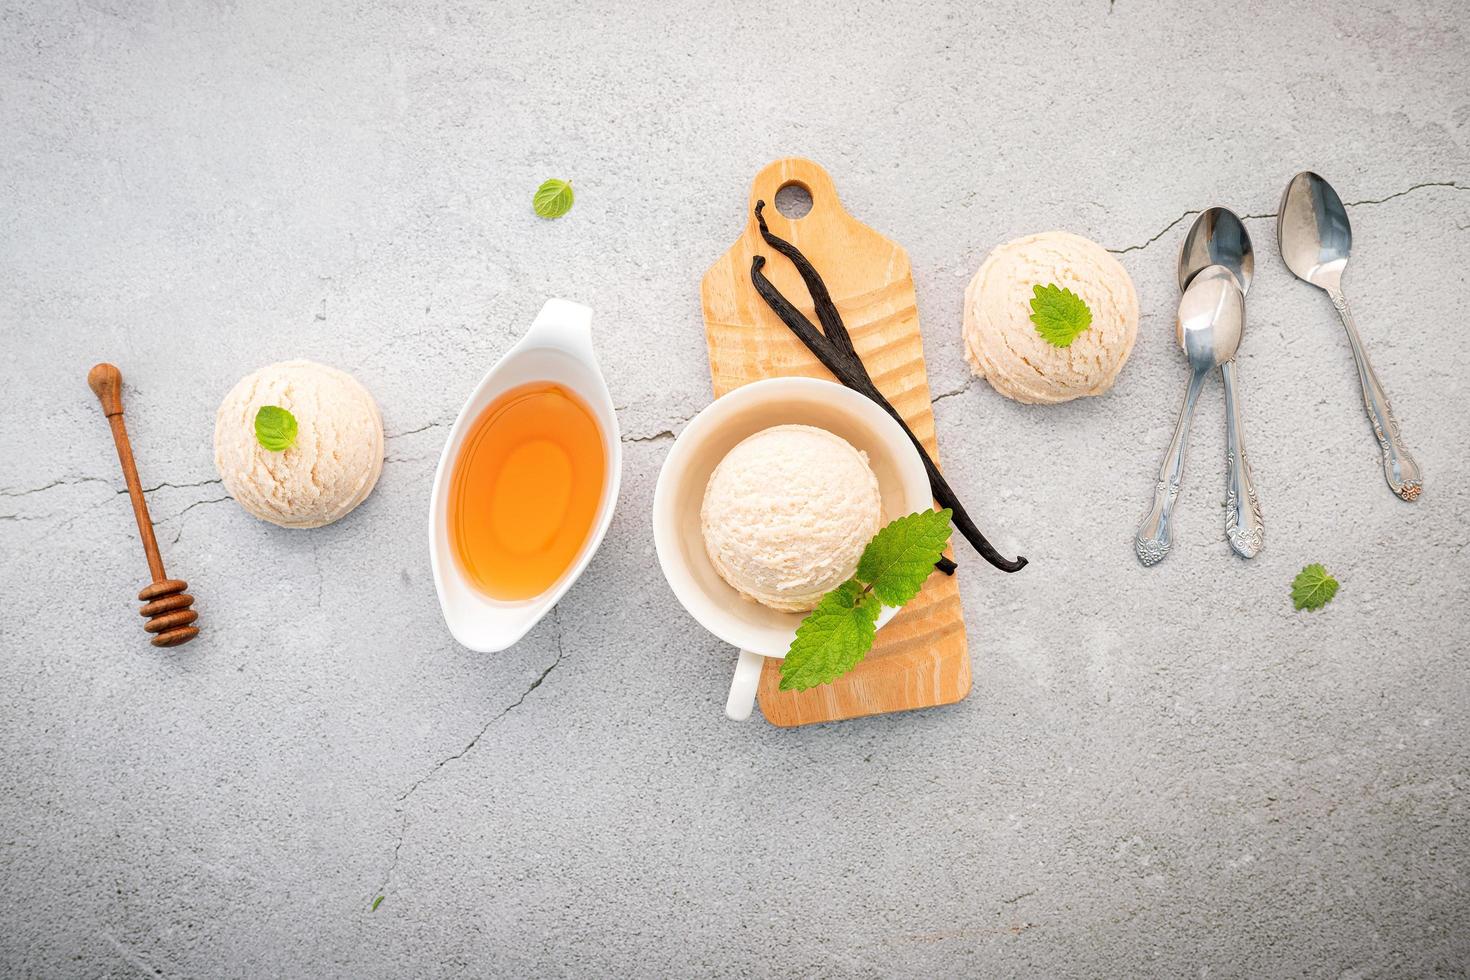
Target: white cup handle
(742, 686)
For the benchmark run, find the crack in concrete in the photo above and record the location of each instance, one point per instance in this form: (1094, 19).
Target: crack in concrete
(936, 399)
(177, 486)
(179, 529)
(409, 432)
(14, 492)
(403, 798)
(198, 503)
(667, 433)
(131, 956)
(1161, 234)
(1408, 190)
(1271, 214)
(652, 437)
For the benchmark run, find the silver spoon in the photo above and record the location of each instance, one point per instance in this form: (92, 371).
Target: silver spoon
(1218, 237)
(1211, 315)
(1315, 237)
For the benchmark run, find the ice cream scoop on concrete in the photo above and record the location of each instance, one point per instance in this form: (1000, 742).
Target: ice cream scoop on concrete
(787, 513)
(1002, 343)
(331, 466)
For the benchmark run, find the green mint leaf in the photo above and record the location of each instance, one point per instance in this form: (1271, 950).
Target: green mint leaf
(1312, 588)
(376, 902)
(833, 638)
(275, 428)
(897, 562)
(1059, 314)
(839, 632)
(553, 198)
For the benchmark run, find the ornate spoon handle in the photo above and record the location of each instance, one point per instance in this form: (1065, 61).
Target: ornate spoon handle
(1151, 543)
(1243, 526)
(1399, 467)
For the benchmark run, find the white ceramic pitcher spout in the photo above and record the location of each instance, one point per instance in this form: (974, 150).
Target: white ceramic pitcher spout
(557, 349)
(561, 325)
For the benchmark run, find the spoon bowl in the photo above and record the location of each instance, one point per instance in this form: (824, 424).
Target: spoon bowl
(1313, 231)
(1211, 318)
(1217, 237)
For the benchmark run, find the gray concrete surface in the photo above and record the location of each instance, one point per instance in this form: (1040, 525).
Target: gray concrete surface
(1159, 772)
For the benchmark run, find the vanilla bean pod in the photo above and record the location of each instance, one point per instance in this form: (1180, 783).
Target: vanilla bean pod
(840, 363)
(834, 360)
(848, 368)
(827, 315)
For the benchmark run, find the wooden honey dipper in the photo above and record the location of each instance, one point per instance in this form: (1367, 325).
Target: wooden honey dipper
(165, 601)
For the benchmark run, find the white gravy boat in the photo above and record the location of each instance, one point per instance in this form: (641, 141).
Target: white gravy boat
(558, 349)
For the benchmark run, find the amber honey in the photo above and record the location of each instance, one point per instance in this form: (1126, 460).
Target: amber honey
(525, 490)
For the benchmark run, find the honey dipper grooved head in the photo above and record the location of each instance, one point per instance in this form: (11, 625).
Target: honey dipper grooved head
(168, 586)
(167, 606)
(174, 638)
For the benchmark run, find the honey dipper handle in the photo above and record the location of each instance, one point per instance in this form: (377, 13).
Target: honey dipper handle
(106, 381)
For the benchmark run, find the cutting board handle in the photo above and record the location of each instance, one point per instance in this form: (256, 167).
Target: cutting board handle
(794, 170)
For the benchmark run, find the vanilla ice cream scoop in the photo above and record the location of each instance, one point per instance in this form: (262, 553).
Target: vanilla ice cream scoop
(1001, 342)
(787, 513)
(334, 462)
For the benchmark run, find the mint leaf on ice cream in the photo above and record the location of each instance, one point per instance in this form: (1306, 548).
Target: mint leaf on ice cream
(839, 632)
(898, 560)
(832, 639)
(275, 428)
(1060, 315)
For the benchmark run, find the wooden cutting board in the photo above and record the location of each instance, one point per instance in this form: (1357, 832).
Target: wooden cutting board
(921, 658)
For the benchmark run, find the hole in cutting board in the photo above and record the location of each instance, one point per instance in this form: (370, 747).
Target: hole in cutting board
(793, 200)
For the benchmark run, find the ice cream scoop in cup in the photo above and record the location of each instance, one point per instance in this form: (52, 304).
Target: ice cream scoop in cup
(755, 628)
(787, 514)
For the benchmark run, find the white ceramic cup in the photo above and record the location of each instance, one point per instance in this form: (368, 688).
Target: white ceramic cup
(756, 630)
(557, 348)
